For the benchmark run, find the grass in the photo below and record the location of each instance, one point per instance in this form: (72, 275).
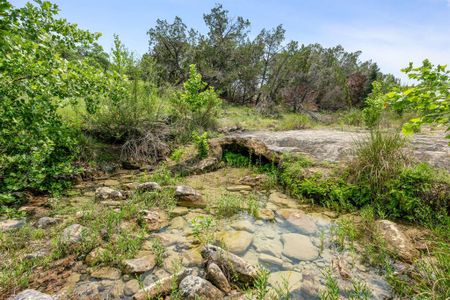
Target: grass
(230, 204)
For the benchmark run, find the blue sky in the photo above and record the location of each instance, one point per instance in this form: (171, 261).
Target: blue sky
(390, 32)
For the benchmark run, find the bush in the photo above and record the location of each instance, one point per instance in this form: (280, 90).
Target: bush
(201, 143)
(37, 147)
(379, 158)
(196, 107)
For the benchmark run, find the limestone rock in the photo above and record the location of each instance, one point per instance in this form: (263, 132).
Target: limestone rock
(194, 287)
(170, 239)
(272, 247)
(11, 224)
(155, 219)
(298, 246)
(230, 262)
(188, 197)
(396, 240)
(192, 257)
(162, 286)
(140, 264)
(179, 211)
(106, 273)
(282, 200)
(107, 193)
(243, 225)
(236, 242)
(216, 276)
(148, 186)
(266, 214)
(270, 260)
(94, 255)
(253, 180)
(298, 219)
(45, 222)
(73, 234)
(30, 294)
(131, 287)
(239, 188)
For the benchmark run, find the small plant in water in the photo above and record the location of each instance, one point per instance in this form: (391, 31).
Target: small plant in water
(331, 291)
(203, 229)
(261, 284)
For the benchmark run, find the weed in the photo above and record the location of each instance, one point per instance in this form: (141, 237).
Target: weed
(177, 154)
(331, 291)
(261, 284)
(158, 249)
(229, 204)
(201, 143)
(359, 291)
(203, 229)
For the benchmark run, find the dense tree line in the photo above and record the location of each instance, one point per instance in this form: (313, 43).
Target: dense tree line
(266, 70)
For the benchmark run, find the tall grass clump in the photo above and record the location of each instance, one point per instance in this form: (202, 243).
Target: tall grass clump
(379, 158)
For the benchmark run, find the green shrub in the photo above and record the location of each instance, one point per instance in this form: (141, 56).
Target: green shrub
(197, 107)
(37, 147)
(374, 106)
(201, 143)
(379, 158)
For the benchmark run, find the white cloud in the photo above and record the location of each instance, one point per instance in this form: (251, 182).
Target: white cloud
(395, 46)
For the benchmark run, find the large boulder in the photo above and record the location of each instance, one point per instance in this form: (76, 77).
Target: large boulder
(107, 193)
(299, 247)
(229, 262)
(396, 241)
(30, 294)
(162, 286)
(216, 276)
(188, 197)
(194, 287)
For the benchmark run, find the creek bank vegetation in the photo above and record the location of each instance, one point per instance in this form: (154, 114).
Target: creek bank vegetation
(74, 118)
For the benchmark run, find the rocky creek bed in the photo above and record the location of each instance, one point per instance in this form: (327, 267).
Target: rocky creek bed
(294, 241)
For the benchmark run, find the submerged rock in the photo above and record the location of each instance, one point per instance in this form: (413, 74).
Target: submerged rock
(299, 220)
(236, 242)
(216, 276)
(292, 279)
(298, 246)
(188, 197)
(396, 240)
(30, 294)
(194, 287)
(245, 272)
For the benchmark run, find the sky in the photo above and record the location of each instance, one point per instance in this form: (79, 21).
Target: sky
(389, 32)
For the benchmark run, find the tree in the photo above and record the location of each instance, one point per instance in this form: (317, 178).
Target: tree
(37, 147)
(169, 45)
(429, 98)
